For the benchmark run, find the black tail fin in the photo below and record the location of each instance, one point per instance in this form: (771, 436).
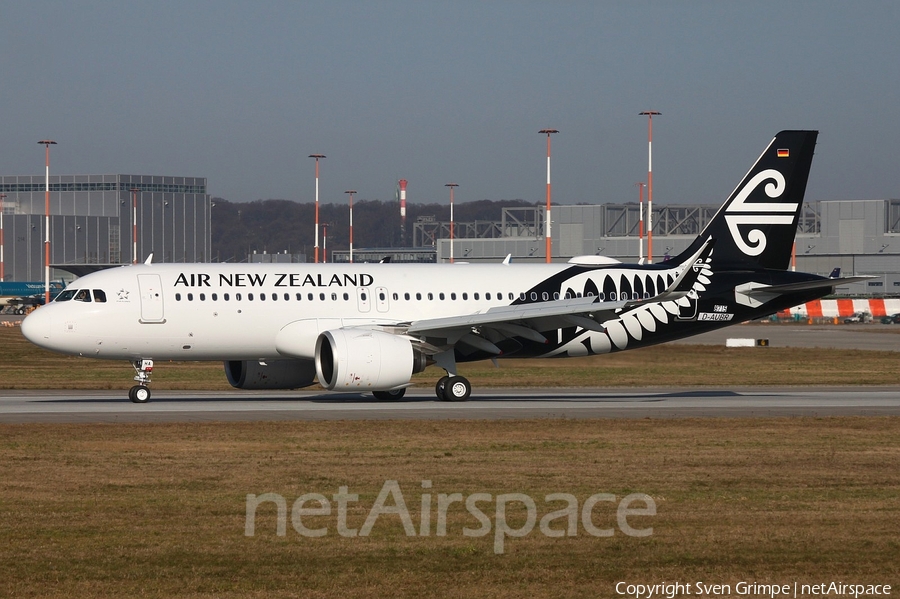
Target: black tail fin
(755, 228)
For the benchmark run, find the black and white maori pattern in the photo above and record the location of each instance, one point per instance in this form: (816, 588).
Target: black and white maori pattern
(635, 324)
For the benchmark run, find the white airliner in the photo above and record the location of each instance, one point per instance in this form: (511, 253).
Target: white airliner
(370, 327)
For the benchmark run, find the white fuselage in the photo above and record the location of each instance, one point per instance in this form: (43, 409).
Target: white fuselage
(236, 311)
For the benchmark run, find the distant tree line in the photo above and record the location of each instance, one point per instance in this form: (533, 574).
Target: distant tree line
(276, 226)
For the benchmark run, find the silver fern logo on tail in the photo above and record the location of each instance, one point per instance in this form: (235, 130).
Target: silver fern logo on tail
(741, 213)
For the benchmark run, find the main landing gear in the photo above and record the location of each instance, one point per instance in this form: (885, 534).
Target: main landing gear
(448, 388)
(453, 388)
(389, 395)
(140, 393)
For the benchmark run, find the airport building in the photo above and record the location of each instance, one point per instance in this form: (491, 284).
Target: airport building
(92, 222)
(862, 237)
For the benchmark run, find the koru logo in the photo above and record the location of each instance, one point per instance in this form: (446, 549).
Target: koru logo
(758, 213)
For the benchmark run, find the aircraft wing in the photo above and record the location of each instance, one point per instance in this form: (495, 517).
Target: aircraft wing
(525, 320)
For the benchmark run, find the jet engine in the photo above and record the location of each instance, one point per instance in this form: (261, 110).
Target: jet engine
(275, 374)
(365, 360)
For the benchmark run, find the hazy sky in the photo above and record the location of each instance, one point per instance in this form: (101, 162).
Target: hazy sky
(242, 92)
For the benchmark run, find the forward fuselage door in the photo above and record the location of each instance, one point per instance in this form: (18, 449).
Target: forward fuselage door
(151, 298)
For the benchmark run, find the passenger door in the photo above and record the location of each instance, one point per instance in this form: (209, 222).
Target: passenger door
(151, 298)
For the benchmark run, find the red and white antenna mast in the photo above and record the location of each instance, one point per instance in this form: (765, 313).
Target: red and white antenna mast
(2, 263)
(403, 183)
(547, 235)
(47, 143)
(640, 223)
(451, 186)
(351, 192)
(317, 156)
(134, 254)
(649, 114)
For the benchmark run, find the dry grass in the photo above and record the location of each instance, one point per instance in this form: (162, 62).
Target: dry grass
(24, 366)
(158, 510)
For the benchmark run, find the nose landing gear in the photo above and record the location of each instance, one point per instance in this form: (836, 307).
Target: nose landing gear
(140, 393)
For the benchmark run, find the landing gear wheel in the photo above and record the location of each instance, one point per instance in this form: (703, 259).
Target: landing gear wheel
(457, 388)
(389, 395)
(139, 394)
(440, 386)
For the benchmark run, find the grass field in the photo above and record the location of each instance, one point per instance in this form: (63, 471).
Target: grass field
(160, 510)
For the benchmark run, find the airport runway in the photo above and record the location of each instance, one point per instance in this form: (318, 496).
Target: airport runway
(420, 404)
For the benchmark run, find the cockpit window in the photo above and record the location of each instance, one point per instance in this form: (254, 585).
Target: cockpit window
(99, 295)
(83, 295)
(66, 295)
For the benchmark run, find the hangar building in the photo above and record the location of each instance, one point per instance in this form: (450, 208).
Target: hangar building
(91, 222)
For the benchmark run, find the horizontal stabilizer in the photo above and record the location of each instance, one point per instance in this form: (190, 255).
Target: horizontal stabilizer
(806, 285)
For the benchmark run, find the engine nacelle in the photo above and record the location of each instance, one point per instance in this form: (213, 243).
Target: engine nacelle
(276, 374)
(364, 360)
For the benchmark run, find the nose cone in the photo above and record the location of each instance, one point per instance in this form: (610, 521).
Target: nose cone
(36, 327)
